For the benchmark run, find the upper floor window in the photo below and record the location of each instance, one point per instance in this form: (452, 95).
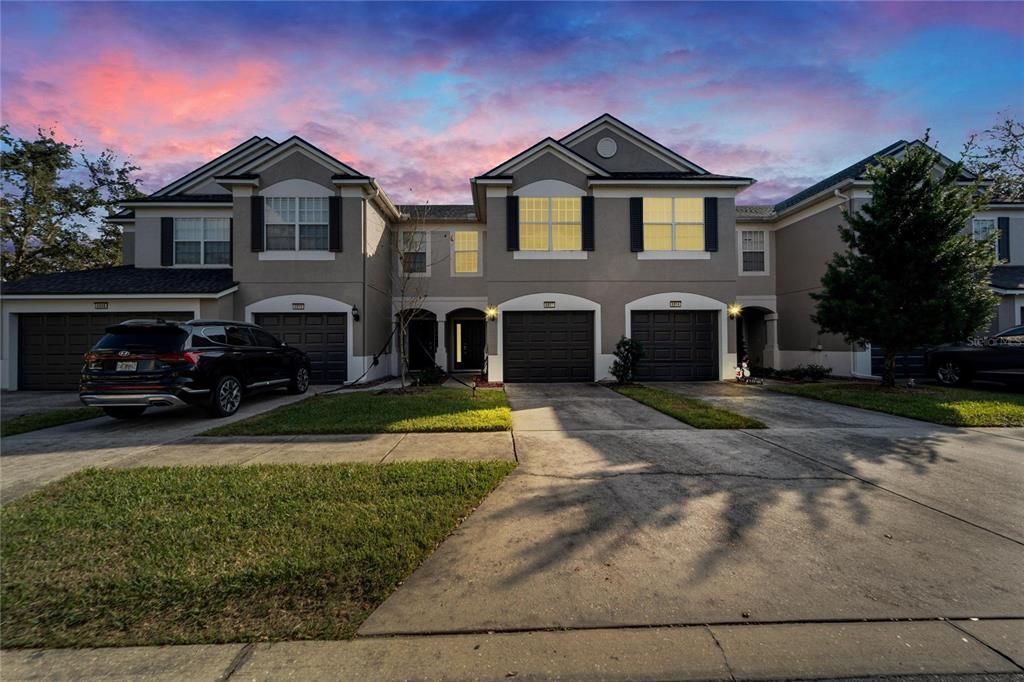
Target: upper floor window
(673, 224)
(297, 223)
(414, 252)
(550, 224)
(983, 228)
(466, 252)
(202, 241)
(752, 248)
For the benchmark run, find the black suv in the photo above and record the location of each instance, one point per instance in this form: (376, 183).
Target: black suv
(992, 358)
(212, 363)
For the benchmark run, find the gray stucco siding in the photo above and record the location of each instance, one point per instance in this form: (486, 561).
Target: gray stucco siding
(628, 157)
(442, 281)
(296, 166)
(547, 166)
(128, 247)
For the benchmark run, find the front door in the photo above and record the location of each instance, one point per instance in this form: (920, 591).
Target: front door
(422, 343)
(468, 344)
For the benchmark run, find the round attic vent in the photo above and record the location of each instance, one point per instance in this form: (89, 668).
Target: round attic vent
(606, 147)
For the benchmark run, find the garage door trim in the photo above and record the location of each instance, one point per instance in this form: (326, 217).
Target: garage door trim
(535, 303)
(687, 301)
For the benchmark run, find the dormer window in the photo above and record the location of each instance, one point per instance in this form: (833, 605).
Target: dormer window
(550, 224)
(297, 223)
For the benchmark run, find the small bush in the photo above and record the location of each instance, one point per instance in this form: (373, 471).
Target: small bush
(809, 372)
(430, 376)
(628, 354)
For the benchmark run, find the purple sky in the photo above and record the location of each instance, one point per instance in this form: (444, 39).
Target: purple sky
(424, 96)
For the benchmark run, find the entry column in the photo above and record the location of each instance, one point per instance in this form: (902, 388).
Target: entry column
(771, 344)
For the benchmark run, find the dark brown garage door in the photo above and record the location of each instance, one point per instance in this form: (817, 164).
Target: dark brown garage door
(51, 345)
(321, 335)
(548, 346)
(679, 345)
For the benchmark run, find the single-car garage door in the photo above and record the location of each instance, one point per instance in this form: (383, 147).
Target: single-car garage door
(679, 345)
(321, 335)
(548, 346)
(51, 345)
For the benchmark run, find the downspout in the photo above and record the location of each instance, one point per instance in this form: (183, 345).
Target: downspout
(362, 322)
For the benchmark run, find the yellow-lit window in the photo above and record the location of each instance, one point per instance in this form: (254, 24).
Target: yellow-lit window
(673, 224)
(550, 224)
(467, 252)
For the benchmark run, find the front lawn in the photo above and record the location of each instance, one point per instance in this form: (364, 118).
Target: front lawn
(44, 420)
(688, 410)
(937, 404)
(433, 409)
(181, 555)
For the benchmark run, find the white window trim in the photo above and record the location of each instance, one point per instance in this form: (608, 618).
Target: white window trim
(202, 244)
(995, 229)
(739, 253)
(401, 241)
(307, 254)
(296, 255)
(479, 255)
(577, 254)
(676, 254)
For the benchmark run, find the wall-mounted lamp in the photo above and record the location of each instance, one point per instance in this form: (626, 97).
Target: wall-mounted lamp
(735, 310)
(355, 313)
(491, 313)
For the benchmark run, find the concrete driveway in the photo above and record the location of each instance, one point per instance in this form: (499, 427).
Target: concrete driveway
(617, 517)
(30, 460)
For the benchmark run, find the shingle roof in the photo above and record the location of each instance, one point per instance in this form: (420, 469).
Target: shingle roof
(669, 175)
(1008, 277)
(438, 211)
(126, 279)
(225, 198)
(849, 173)
(755, 211)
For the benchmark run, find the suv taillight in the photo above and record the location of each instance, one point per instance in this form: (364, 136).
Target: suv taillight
(92, 361)
(190, 357)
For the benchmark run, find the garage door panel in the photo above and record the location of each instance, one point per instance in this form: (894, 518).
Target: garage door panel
(51, 345)
(550, 346)
(679, 345)
(322, 336)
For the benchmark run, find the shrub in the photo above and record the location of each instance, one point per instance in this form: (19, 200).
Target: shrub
(628, 354)
(810, 372)
(430, 376)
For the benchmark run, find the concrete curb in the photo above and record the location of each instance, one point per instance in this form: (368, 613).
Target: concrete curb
(704, 652)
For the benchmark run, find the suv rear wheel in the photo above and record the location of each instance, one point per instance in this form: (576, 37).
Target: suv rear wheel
(124, 412)
(951, 373)
(225, 397)
(300, 381)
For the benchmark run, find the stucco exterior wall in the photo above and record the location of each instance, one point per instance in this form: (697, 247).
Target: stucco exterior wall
(128, 246)
(628, 155)
(147, 228)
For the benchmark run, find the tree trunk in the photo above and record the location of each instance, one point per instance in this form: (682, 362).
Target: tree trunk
(889, 369)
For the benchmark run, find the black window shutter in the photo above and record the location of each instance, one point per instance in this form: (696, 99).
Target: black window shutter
(636, 224)
(587, 213)
(231, 241)
(167, 241)
(334, 230)
(257, 223)
(1004, 239)
(512, 223)
(710, 224)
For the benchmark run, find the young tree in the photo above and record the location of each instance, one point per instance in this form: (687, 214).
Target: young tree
(51, 196)
(997, 155)
(909, 277)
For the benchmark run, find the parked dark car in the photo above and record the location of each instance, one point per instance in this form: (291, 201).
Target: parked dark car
(210, 363)
(993, 358)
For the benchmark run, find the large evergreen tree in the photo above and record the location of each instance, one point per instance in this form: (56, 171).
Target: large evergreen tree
(52, 195)
(910, 276)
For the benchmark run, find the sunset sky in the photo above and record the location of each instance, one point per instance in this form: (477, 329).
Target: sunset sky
(425, 96)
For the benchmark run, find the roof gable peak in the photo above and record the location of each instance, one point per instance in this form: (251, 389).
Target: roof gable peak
(649, 144)
(547, 145)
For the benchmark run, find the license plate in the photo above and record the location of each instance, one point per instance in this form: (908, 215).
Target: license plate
(127, 366)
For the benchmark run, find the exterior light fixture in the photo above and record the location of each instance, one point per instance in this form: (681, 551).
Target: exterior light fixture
(491, 313)
(735, 310)
(355, 313)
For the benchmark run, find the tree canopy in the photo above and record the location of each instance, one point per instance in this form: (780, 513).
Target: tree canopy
(53, 193)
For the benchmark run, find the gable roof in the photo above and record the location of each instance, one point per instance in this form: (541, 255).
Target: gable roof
(632, 134)
(206, 172)
(547, 145)
(125, 279)
(293, 143)
(438, 212)
(1008, 277)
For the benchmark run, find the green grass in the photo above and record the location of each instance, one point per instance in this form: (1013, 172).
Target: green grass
(689, 410)
(937, 404)
(44, 420)
(416, 410)
(223, 554)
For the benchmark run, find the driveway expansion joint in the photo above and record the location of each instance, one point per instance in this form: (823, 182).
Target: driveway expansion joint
(243, 655)
(721, 650)
(954, 625)
(688, 474)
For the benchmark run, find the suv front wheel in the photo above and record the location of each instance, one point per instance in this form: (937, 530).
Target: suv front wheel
(225, 397)
(951, 373)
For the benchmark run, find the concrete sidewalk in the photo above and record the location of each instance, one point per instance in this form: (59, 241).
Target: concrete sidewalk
(703, 652)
